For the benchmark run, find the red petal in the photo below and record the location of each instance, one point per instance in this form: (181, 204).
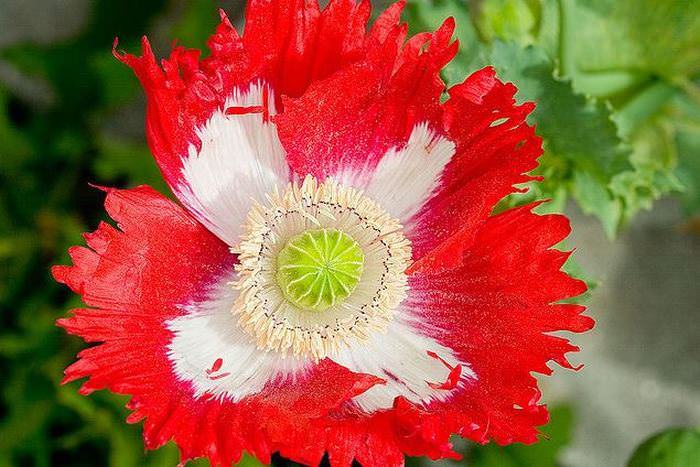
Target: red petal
(136, 278)
(352, 118)
(288, 43)
(158, 254)
(495, 148)
(496, 311)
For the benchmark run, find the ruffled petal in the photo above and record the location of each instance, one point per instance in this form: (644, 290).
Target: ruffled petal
(293, 43)
(350, 120)
(495, 148)
(358, 124)
(287, 45)
(208, 126)
(381, 439)
(157, 255)
(139, 278)
(497, 310)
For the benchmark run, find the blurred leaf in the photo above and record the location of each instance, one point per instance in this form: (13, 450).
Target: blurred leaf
(507, 20)
(116, 80)
(605, 47)
(46, 157)
(654, 159)
(594, 198)
(611, 172)
(548, 28)
(248, 461)
(128, 162)
(16, 244)
(689, 168)
(609, 38)
(635, 53)
(672, 448)
(574, 127)
(428, 15)
(196, 22)
(686, 120)
(13, 143)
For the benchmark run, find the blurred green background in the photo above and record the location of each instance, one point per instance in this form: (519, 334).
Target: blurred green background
(618, 93)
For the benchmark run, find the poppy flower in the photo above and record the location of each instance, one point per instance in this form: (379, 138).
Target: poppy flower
(333, 280)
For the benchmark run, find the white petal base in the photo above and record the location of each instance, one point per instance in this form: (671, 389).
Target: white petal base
(240, 159)
(404, 179)
(210, 333)
(401, 358)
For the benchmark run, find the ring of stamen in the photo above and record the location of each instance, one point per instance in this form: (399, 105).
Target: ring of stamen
(289, 321)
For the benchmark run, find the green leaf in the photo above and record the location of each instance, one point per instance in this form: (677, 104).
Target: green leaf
(586, 155)
(689, 169)
(635, 52)
(548, 34)
(594, 198)
(644, 37)
(575, 128)
(672, 448)
(646, 121)
(248, 461)
(604, 47)
(654, 160)
(14, 146)
(582, 148)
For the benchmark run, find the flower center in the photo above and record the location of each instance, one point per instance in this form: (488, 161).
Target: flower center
(320, 265)
(318, 269)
